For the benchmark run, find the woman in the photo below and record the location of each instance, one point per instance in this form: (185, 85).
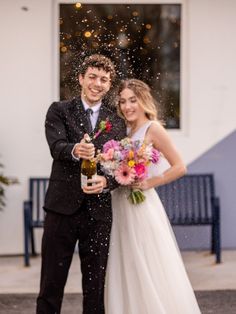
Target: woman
(145, 272)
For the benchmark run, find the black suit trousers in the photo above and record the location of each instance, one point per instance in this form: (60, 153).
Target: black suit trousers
(61, 233)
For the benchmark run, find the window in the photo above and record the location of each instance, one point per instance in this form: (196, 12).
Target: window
(143, 40)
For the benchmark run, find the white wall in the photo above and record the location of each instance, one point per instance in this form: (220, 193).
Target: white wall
(212, 67)
(26, 86)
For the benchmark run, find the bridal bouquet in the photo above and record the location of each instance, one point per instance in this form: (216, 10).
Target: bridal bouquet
(127, 161)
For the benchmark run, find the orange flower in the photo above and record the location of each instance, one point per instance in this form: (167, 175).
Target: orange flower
(131, 154)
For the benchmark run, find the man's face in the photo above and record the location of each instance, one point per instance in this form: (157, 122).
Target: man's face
(95, 84)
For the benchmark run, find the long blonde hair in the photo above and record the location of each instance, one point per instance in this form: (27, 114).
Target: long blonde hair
(143, 92)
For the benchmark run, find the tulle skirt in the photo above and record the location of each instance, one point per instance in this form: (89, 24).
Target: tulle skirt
(145, 272)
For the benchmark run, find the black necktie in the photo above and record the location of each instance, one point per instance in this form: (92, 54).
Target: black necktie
(89, 112)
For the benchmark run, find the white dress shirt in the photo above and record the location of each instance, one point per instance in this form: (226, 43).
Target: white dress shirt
(94, 116)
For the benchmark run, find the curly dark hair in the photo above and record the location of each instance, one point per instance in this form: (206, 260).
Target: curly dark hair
(98, 61)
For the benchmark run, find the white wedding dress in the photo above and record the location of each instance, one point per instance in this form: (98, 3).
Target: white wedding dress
(145, 271)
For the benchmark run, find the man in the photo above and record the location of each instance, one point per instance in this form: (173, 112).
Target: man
(76, 213)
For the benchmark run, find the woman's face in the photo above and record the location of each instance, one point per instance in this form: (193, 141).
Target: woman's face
(129, 106)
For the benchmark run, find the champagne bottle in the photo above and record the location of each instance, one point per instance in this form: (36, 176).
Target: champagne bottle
(88, 168)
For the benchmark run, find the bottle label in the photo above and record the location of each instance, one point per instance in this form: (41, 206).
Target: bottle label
(84, 179)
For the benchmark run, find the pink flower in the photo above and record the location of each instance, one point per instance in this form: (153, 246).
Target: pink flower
(124, 174)
(108, 155)
(155, 156)
(111, 144)
(141, 171)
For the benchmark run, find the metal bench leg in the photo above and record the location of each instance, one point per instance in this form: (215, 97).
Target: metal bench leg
(217, 239)
(26, 232)
(213, 244)
(32, 242)
(216, 222)
(218, 248)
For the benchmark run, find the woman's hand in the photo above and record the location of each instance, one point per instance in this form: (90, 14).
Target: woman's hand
(142, 185)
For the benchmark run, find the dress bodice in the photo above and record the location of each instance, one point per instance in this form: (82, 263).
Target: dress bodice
(141, 132)
(153, 169)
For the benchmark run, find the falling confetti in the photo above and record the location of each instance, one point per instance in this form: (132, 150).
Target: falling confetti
(142, 40)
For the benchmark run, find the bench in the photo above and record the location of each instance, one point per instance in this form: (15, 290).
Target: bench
(189, 201)
(33, 214)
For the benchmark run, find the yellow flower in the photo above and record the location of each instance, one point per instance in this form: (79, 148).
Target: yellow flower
(131, 163)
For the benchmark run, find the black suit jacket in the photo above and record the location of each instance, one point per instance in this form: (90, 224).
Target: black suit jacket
(66, 125)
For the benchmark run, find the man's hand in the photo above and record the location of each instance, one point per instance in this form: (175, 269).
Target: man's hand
(98, 184)
(84, 150)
